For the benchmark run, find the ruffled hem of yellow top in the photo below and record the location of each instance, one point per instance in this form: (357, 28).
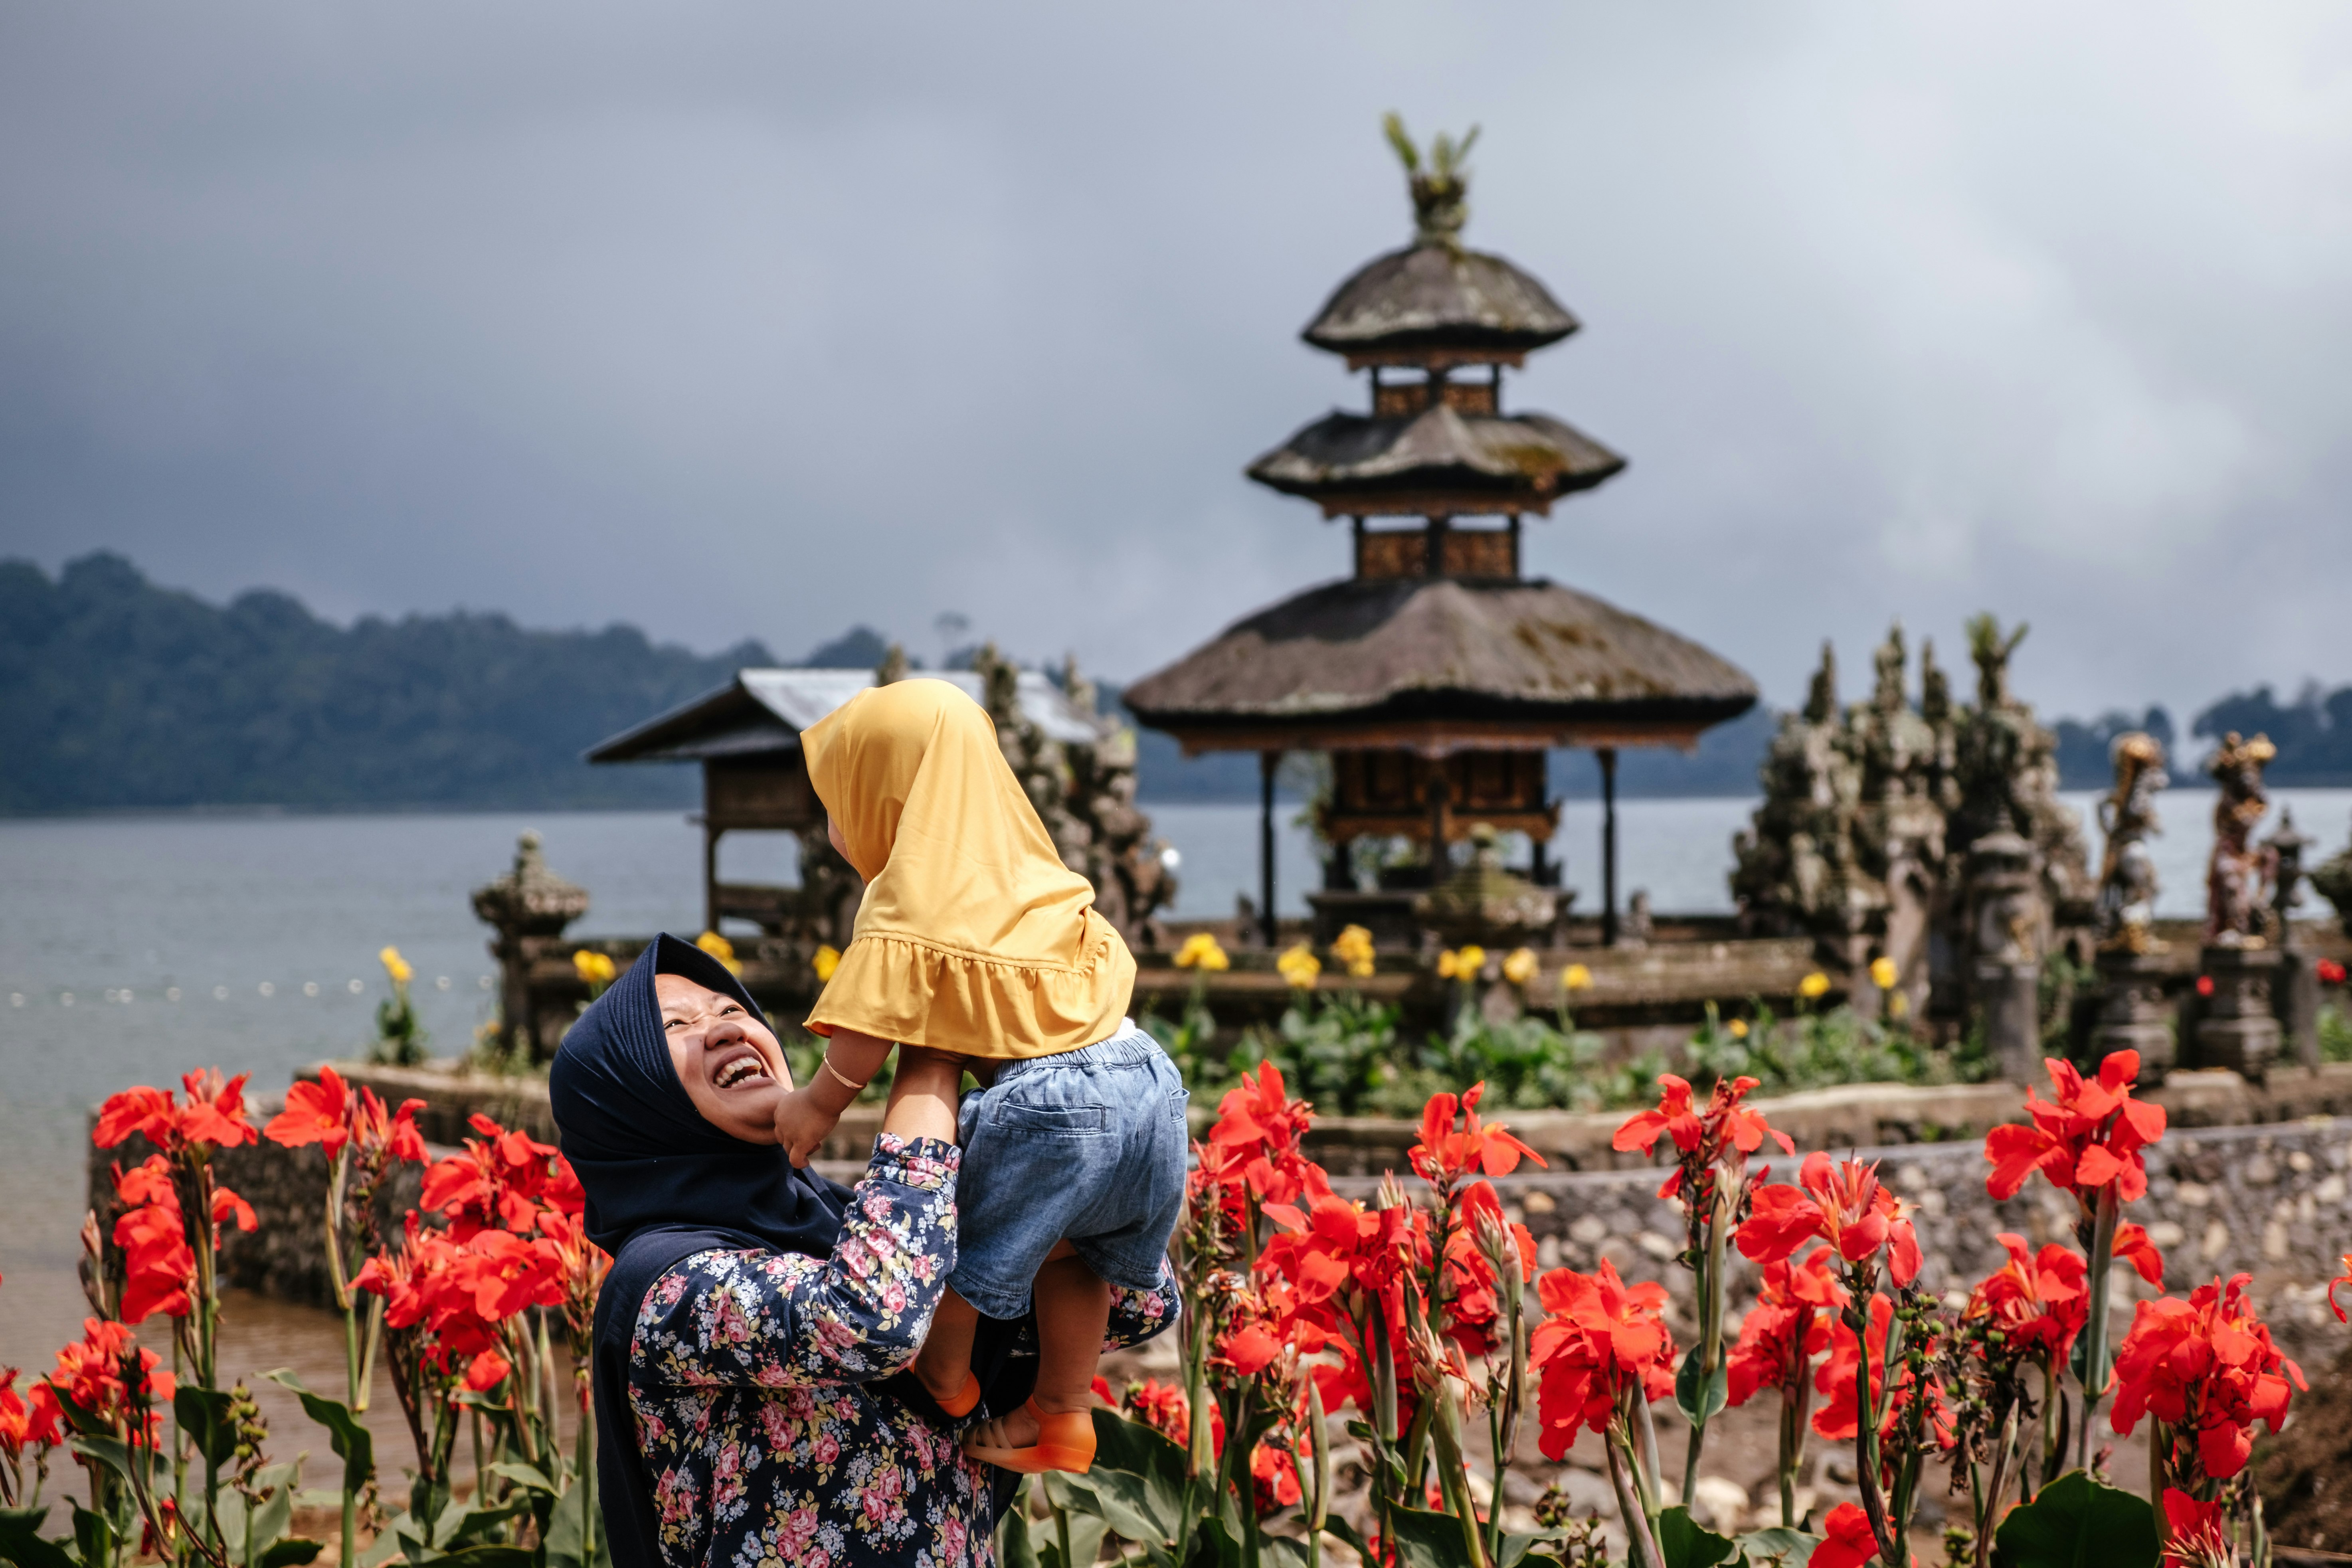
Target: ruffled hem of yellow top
(897, 987)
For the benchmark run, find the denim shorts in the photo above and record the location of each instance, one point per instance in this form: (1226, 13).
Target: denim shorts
(1089, 1146)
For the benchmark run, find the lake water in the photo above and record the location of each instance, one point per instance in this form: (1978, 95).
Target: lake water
(132, 949)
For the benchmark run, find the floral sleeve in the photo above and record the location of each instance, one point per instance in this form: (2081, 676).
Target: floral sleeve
(1140, 1315)
(769, 1319)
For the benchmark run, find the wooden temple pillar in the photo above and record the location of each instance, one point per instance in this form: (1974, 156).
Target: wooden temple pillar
(1267, 763)
(1607, 755)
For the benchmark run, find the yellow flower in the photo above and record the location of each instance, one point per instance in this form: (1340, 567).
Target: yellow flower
(1739, 1029)
(826, 960)
(594, 968)
(1463, 963)
(1299, 966)
(1520, 967)
(1354, 949)
(1201, 952)
(1882, 974)
(1814, 987)
(1576, 977)
(720, 948)
(395, 966)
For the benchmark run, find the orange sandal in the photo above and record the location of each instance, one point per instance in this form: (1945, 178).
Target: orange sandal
(964, 1400)
(1065, 1441)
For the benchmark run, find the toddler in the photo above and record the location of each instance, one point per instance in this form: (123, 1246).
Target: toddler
(974, 938)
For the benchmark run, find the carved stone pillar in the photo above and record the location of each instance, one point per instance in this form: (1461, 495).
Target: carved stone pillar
(529, 908)
(2294, 997)
(2134, 1014)
(2005, 963)
(2239, 1030)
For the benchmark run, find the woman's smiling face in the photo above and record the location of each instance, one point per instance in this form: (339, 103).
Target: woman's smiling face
(726, 1057)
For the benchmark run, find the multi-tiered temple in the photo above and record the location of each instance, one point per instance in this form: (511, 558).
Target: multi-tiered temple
(1439, 673)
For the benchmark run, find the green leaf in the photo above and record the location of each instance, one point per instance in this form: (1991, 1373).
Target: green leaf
(1014, 1547)
(1517, 1547)
(1683, 1543)
(1285, 1550)
(528, 1477)
(1086, 1532)
(95, 1534)
(291, 1552)
(350, 1439)
(1697, 1404)
(493, 1556)
(1778, 1547)
(1427, 1539)
(1138, 1484)
(208, 1416)
(21, 1542)
(2076, 1523)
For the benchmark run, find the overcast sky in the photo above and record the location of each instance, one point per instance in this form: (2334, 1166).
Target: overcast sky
(734, 319)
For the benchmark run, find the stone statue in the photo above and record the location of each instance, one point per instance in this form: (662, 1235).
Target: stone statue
(2238, 909)
(2332, 878)
(1084, 795)
(2127, 899)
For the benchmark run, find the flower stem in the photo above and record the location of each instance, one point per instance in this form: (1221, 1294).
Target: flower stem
(2095, 1329)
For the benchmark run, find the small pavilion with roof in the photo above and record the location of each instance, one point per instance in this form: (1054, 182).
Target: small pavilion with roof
(1438, 674)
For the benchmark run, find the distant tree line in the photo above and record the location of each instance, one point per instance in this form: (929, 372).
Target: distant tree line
(119, 694)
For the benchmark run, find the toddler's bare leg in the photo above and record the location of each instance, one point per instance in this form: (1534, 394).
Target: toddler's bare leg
(1073, 1313)
(945, 1361)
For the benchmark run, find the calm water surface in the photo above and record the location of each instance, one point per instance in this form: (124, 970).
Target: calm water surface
(260, 924)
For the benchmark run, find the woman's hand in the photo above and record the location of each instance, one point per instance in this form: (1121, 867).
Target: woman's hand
(923, 1094)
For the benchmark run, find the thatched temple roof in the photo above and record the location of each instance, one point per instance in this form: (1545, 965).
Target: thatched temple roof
(1353, 463)
(1437, 297)
(765, 711)
(1438, 665)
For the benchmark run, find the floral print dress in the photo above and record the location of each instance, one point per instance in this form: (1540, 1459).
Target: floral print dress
(748, 1374)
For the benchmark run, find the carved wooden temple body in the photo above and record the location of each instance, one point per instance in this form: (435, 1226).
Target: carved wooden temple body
(1438, 675)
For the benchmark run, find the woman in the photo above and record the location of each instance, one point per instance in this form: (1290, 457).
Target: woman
(754, 1312)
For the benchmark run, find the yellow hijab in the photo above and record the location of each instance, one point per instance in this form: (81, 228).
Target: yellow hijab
(973, 936)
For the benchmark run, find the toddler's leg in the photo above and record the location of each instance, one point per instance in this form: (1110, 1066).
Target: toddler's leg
(944, 1363)
(1073, 1307)
(1073, 1313)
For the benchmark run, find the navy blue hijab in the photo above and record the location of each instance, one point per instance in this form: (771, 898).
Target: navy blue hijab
(657, 1176)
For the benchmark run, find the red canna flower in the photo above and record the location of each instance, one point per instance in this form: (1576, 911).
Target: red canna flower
(212, 1118)
(2337, 1283)
(160, 1262)
(1847, 1540)
(2089, 1139)
(1162, 1407)
(1704, 1137)
(88, 1385)
(316, 1113)
(1836, 1417)
(1788, 1325)
(2207, 1368)
(2330, 973)
(2039, 1300)
(2196, 1533)
(1445, 1157)
(1258, 1134)
(1604, 1339)
(580, 1265)
(2204, 986)
(20, 1425)
(497, 1182)
(1842, 1203)
(329, 1114)
(2133, 1248)
(1473, 1301)
(1275, 1472)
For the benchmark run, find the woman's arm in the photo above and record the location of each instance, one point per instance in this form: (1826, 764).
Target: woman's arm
(770, 1320)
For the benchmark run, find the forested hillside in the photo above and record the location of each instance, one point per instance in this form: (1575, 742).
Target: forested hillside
(115, 693)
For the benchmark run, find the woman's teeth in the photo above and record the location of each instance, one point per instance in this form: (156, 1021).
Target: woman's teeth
(742, 1069)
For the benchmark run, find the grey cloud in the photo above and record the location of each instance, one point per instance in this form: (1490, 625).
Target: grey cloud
(735, 320)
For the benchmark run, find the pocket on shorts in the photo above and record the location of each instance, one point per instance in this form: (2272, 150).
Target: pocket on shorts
(1051, 1120)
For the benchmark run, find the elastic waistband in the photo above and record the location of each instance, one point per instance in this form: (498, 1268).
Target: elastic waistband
(1125, 1049)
